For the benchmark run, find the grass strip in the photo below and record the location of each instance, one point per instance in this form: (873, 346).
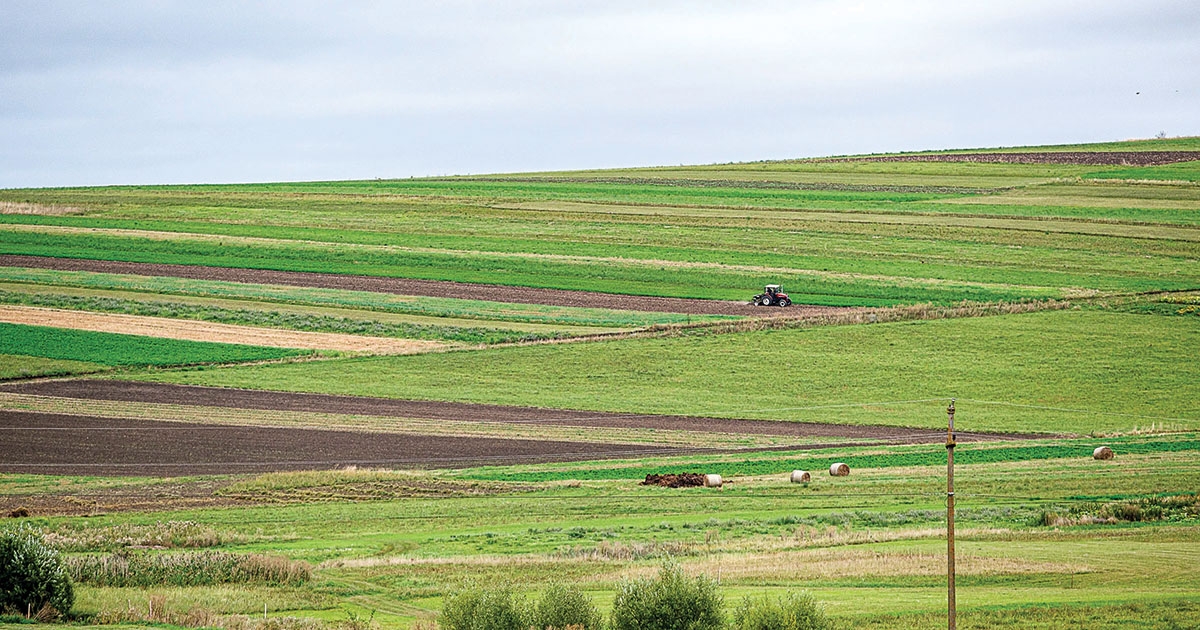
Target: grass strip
(127, 350)
(783, 462)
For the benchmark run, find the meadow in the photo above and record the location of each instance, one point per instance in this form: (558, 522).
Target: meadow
(1055, 301)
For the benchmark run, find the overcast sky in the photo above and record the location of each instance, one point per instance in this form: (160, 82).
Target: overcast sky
(127, 92)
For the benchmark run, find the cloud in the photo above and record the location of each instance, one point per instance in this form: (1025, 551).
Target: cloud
(140, 92)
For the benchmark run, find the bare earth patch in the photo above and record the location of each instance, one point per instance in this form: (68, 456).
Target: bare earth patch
(210, 331)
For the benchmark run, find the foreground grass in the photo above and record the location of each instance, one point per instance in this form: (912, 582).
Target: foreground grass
(869, 546)
(1063, 371)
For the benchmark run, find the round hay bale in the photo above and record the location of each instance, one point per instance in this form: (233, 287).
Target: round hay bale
(801, 476)
(1102, 452)
(839, 470)
(712, 481)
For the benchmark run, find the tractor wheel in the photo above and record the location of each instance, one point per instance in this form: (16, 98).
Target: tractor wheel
(761, 302)
(785, 302)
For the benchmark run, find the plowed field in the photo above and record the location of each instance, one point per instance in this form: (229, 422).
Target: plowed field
(82, 445)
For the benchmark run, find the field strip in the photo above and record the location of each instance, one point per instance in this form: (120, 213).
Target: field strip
(500, 297)
(614, 261)
(1028, 198)
(374, 294)
(209, 331)
(150, 447)
(226, 416)
(1056, 225)
(249, 304)
(797, 173)
(278, 402)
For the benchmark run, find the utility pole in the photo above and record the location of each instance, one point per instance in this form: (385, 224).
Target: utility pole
(950, 597)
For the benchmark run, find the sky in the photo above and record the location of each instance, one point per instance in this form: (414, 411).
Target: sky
(144, 92)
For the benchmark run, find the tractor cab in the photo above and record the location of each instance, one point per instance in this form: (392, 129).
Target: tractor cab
(772, 295)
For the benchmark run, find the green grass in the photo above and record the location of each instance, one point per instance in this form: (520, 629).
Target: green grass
(877, 531)
(818, 462)
(1180, 171)
(1073, 371)
(111, 349)
(14, 366)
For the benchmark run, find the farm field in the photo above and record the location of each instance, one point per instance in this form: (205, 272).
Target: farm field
(518, 352)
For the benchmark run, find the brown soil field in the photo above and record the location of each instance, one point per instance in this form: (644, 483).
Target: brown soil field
(193, 330)
(428, 288)
(81, 445)
(1096, 158)
(131, 391)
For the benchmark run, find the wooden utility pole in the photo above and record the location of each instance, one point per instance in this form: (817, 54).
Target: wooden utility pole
(950, 597)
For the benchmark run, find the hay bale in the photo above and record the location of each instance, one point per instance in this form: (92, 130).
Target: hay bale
(839, 470)
(712, 481)
(1102, 452)
(801, 476)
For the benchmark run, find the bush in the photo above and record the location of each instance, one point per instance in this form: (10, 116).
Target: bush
(670, 601)
(32, 576)
(795, 611)
(564, 607)
(484, 609)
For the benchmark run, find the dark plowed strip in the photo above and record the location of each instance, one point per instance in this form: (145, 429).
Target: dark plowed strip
(81, 445)
(429, 288)
(1094, 158)
(130, 391)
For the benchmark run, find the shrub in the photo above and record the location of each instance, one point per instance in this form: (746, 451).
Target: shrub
(484, 609)
(794, 611)
(564, 607)
(669, 601)
(32, 575)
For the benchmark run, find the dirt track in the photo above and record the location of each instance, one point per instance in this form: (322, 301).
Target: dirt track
(429, 288)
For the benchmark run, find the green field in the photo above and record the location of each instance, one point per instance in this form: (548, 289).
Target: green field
(1057, 303)
(125, 350)
(1087, 370)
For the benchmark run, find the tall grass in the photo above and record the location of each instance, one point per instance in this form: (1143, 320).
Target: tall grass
(142, 569)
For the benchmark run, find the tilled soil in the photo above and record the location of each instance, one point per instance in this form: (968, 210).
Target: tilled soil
(1095, 158)
(131, 391)
(427, 288)
(84, 445)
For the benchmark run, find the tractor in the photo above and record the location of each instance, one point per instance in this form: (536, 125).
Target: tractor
(772, 295)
